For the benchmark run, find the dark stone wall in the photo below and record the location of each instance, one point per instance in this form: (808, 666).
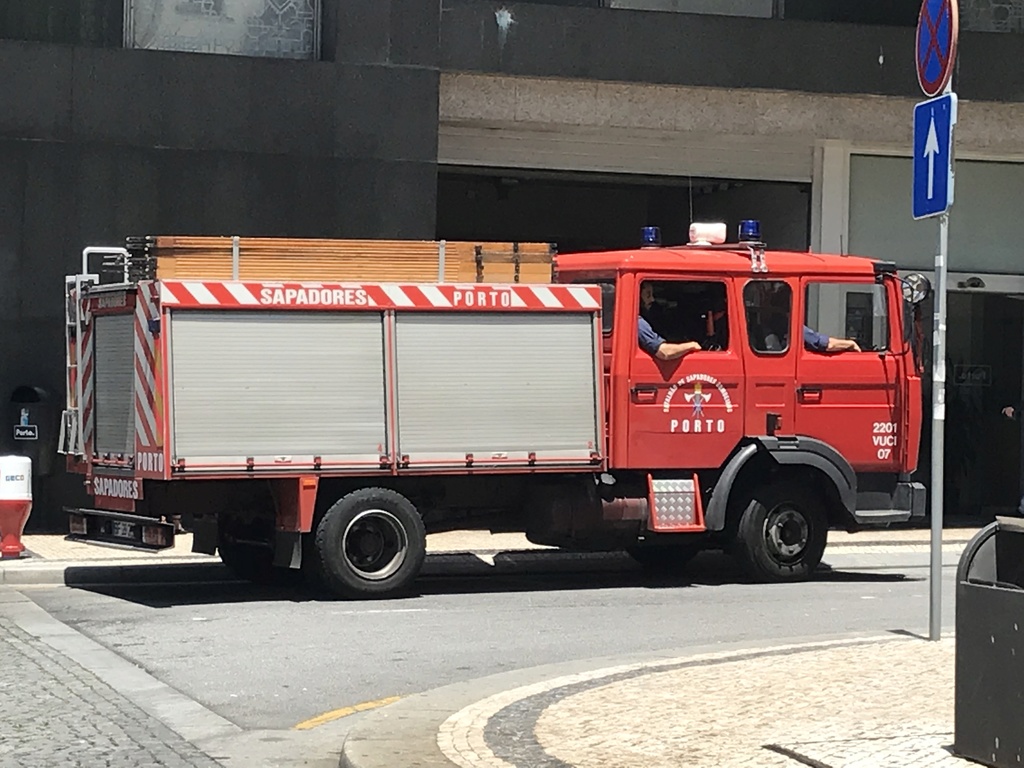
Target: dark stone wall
(714, 51)
(100, 143)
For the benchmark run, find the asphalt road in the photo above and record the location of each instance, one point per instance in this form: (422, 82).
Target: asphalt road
(271, 659)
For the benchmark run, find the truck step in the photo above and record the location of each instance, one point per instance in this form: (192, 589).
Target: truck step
(675, 505)
(880, 516)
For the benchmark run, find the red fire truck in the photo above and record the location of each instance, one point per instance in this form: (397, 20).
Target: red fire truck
(326, 428)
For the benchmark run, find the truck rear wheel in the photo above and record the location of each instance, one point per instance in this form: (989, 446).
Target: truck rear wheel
(782, 532)
(371, 543)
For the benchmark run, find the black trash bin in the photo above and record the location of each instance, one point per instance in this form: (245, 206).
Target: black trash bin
(33, 424)
(989, 697)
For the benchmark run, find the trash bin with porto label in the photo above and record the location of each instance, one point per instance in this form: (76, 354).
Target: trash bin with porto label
(34, 426)
(989, 687)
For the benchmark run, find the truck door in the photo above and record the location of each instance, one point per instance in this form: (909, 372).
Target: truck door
(851, 399)
(685, 413)
(771, 366)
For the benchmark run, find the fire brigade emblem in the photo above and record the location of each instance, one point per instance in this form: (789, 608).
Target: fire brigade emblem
(698, 422)
(697, 398)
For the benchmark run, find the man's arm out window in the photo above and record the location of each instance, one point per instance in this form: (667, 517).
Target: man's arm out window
(815, 340)
(650, 342)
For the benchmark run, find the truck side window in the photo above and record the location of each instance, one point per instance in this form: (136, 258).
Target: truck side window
(607, 303)
(769, 308)
(607, 306)
(858, 311)
(687, 310)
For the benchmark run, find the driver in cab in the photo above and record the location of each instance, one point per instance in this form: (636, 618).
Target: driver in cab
(650, 340)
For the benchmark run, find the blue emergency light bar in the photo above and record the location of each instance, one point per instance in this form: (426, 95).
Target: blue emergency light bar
(750, 231)
(650, 237)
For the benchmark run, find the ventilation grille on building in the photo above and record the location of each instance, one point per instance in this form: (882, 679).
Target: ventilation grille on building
(992, 15)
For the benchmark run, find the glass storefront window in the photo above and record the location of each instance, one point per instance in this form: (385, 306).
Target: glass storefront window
(891, 13)
(284, 29)
(68, 22)
(982, 447)
(975, 15)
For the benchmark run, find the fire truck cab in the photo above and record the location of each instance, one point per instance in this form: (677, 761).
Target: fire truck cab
(801, 404)
(325, 429)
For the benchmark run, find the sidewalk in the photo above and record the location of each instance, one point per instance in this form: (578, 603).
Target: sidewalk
(856, 702)
(59, 713)
(881, 701)
(53, 559)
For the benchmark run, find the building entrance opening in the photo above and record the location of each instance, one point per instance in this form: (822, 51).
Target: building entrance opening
(985, 336)
(588, 211)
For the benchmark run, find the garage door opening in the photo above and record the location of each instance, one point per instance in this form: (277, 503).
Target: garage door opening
(587, 211)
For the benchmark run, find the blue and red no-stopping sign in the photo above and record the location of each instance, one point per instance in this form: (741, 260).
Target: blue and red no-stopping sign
(938, 26)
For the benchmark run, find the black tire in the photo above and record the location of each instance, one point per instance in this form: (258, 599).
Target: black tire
(782, 532)
(312, 566)
(371, 544)
(666, 558)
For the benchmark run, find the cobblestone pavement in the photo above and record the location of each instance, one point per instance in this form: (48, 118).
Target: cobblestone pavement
(874, 703)
(57, 714)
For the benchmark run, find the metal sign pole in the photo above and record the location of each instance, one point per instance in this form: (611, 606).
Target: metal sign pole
(938, 429)
(939, 405)
(938, 26)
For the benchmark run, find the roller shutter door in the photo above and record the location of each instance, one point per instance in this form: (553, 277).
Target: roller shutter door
(114, 361)
(498, 386)
(278, 386)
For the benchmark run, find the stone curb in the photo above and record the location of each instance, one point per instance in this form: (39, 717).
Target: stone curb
(56, 573)
(483, 562)
(406, 733)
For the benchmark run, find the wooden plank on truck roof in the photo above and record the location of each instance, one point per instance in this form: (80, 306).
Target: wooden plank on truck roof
(313, 259)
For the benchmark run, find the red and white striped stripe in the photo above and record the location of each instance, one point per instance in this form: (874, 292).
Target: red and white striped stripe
(451, 296)
(85, 370)
(145, 366)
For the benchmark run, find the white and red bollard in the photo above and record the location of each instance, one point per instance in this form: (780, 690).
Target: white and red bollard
(15, 503)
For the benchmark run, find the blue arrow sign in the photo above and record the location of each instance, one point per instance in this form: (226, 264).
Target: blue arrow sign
(933, 155)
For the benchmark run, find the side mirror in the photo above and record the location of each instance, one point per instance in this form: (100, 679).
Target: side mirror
(916, 288)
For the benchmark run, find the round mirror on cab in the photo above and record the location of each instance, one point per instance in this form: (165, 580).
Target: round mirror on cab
(916, 288)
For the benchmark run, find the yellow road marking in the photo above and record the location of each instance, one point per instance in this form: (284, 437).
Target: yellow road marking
(337, 714)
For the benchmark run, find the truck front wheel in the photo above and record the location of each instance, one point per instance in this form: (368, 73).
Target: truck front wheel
(371, 544)
(782, 532)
